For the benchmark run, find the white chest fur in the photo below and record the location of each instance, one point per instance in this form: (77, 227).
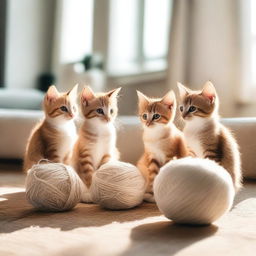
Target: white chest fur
(106, 141)
(68, 137)
(153, 141)
(192, 132)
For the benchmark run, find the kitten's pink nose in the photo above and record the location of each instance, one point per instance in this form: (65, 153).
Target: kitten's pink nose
(107, 118)
(71, 115)
(184, 115)
(148, 123)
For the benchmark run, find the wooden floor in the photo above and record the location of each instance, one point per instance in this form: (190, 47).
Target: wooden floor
(88, 230)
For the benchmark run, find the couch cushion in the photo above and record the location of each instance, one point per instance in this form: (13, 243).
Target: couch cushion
(15, 127)
(244, 130)
(21, 98)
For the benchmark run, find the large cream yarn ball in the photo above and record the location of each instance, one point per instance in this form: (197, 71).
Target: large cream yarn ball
(117, 185)
(193, 191)
(53, 187)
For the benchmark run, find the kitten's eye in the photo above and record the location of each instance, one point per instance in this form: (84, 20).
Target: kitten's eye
(144, 116)
(181, 108)
(192, 109)
(156, 116)
(100, 111)
(111, 111)
(64, 109)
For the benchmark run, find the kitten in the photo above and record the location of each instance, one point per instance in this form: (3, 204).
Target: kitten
(162, 140)
(205, 134)
(96, 143)
(54, 137)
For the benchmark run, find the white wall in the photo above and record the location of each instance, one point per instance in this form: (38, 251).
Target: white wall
(29, 41)
(128, 100)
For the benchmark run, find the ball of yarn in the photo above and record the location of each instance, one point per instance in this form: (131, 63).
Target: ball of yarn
(117, 185)
(193, 191)
(53, 187)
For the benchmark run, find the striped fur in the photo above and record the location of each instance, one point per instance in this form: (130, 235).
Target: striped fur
(203, 132)
(96, 143)
(54, 137)
(162, 140)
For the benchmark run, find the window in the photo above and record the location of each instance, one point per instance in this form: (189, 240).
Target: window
(156, 28)
(131, 35)
(139, 33)
(75, 28)
(122, 39)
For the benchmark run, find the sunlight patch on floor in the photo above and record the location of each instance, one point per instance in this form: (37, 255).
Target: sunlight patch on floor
(10, 190)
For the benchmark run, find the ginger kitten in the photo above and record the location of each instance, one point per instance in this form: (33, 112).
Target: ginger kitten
(96, 143)
(162, 140)
(206, 136)
(54, 137)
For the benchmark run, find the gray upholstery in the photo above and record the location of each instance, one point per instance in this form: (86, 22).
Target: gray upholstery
(21, 98)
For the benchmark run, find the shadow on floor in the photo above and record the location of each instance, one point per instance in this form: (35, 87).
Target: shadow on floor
(165, 237)
(16, 213)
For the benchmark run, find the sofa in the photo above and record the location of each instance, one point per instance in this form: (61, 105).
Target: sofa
(91, 231)
(15, 127)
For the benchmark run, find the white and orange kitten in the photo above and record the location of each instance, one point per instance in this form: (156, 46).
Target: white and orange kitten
(204, 133)
(162, 140)
(53, 138)
(96, 143)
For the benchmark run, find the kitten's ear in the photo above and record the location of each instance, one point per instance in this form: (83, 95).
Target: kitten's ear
(87, 95)
(169, 99)
(52, 93)
(73, 92)
(183, 90)
(143, 99)
(209, 91)
(114, 92)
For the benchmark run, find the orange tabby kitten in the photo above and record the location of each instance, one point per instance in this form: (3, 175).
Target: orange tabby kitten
(54, 137)
(205, 134)
(162, 140)
(96, 143)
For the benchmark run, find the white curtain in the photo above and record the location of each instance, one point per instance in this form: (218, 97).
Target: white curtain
(207, 44)
(247, 64)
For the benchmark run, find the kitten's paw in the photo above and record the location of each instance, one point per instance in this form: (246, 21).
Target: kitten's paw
(149, 197)
(86, 195)
(86, 198)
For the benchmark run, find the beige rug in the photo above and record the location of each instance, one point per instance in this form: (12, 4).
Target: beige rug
(89, 230)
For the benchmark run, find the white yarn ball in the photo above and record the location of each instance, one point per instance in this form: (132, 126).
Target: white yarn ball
(193, 191)
(117, 185)
(53, 187)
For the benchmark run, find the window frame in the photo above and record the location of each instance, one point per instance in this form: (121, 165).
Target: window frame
(100, 44)
(101, 38)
